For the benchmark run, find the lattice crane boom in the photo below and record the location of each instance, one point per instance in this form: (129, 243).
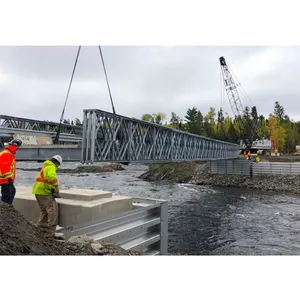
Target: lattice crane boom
(231, 89)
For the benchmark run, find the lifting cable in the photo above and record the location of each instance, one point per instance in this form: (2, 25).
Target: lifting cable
(63, 111)
(111, 100)
(74, 68)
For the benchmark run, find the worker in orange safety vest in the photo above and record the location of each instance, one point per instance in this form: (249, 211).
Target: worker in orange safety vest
(249, 155)
(8, 171)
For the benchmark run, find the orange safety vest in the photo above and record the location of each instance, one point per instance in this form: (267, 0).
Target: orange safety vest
(7, 167)
(249, 153)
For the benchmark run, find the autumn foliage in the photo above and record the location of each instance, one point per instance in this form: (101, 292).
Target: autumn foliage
(218, 125)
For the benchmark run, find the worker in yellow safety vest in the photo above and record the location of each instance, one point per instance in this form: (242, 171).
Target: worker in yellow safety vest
(257, 159)
(46, 189)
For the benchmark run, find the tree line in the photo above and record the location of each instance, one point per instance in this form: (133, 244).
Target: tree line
(218, 125)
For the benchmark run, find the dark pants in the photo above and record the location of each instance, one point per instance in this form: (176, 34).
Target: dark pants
(8, 192)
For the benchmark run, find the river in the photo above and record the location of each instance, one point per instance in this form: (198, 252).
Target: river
(203, 220)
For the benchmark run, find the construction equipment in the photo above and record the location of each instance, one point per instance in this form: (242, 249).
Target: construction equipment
(247, 141)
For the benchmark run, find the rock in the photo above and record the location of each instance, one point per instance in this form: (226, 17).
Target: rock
(80, 239)
(97, 247)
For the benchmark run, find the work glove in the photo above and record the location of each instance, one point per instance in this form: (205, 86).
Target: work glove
(55, 193)
(10, 182)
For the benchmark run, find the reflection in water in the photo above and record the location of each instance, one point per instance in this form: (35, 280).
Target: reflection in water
(204, 220)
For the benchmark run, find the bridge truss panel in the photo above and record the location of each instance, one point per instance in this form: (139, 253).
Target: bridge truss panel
(36, 125)
(111, 137)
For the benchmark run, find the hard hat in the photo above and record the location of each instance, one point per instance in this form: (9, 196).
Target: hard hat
(15, 142)
(58, 158)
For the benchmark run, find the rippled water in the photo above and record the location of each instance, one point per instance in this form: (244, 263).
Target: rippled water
(204, 220)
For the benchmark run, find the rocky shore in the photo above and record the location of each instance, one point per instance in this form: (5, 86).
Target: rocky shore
(199, 174)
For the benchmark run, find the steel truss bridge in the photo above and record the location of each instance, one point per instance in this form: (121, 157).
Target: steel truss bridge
(105, 136)
(111, 137)
(13, 125)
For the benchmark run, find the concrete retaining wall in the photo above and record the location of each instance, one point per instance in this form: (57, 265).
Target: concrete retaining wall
(37, 153)
(76, 206)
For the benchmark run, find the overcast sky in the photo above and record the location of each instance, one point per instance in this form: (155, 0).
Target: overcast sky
(34, 80)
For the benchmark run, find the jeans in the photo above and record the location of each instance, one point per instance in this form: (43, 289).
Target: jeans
(8, 192)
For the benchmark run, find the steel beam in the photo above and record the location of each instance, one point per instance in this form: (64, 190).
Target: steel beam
(111, 137)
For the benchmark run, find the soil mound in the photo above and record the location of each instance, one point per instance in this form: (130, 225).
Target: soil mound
(173, 172)
(19, 237)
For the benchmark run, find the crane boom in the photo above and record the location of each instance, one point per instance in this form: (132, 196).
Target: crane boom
(236, 103)
(231, 89)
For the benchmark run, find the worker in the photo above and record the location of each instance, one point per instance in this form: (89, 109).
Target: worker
(8, 171)
(245, 154)
(249, 155)
(46, 189)
(257, 159)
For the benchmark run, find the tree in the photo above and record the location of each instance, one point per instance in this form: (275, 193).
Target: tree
(276, 132)
(148, 118)
(261, 131)
(279, 111)
(209, 126)
(194, 120)
(157, 118)
(175, 120)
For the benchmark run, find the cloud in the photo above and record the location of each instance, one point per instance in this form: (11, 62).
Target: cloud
(34, 80)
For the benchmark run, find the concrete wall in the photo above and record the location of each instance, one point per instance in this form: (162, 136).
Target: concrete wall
(37, 153)
(76, 206)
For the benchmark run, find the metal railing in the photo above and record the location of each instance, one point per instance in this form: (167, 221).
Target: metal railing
(252, 168)
(231, 167)
(144, 229)
(276, 168)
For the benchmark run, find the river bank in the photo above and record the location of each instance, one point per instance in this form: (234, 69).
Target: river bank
(199, 174)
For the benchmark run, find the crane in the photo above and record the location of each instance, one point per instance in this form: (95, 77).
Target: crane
(247, 140)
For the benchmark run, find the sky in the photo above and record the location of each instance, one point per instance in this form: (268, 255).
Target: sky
(144, 79)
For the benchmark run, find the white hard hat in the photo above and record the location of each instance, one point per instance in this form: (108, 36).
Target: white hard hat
(58, 158)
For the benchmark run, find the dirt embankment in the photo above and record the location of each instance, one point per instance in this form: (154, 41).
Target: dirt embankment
(20, 237)
(200, 174)
(173, 172)
(85, 169)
